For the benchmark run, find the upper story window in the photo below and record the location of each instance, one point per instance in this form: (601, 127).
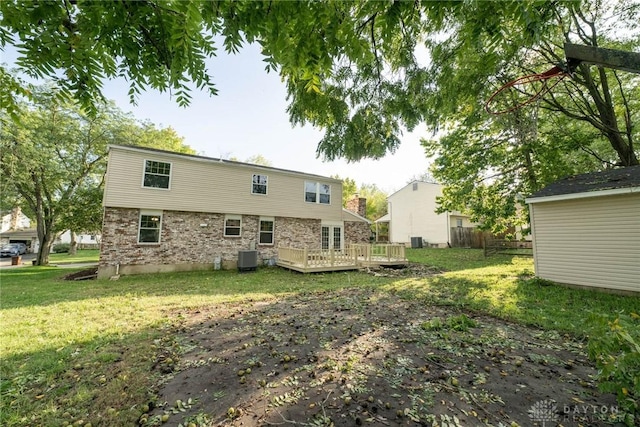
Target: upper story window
(232, 225)
(459, 223)
(156, 174)
(316, 192)
(259, 184)
(149, 227)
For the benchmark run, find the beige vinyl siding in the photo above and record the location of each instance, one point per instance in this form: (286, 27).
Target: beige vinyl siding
(412, 214)
(589, 242)
(206, 185)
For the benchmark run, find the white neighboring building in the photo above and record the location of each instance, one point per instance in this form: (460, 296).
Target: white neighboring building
(412, 215)
(15, 220)
(16, 228)
(85, 241)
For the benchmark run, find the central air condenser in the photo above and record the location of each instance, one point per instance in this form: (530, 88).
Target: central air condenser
(247, 260)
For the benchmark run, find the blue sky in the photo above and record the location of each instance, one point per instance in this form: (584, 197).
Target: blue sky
(248, 117)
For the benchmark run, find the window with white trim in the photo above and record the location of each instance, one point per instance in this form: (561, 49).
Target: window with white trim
(459, 222)
(259, 184)
(310, 191)
(266, 231)
(317, 192)
(156, 174)
(325, 194)
(149, 227)
(232, 225)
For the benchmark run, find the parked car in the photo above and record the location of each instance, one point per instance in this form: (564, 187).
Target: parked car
(13, 249)
(9, 250)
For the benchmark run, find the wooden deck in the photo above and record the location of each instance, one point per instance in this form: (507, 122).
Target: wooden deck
(379, 254)
(355, 256)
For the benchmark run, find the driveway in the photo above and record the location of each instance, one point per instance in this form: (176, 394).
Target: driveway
(26, 260)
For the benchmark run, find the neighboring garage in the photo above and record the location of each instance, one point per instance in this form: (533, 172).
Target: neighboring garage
(586, 230)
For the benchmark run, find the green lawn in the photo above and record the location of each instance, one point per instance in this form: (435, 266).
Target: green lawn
(81, 256)
(82, 351)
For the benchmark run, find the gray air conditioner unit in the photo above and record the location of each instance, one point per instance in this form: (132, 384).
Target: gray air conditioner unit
(416, 242)
(247, 260)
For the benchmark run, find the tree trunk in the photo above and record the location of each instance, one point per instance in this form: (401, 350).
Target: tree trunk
(73, 247)
(45, 249)
(44, 225)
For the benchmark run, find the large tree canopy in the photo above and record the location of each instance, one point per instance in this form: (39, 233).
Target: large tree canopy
(365, 71)
(360, 70)
(587, 122)
(53, 160)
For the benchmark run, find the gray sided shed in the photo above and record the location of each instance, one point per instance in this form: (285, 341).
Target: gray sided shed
(586, 230)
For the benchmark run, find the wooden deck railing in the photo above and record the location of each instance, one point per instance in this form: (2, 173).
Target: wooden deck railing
(354, 256)
(378, 251)
(316, 258)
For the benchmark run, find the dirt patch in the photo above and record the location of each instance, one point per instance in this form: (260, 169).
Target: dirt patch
(410, 270)
(359, 357)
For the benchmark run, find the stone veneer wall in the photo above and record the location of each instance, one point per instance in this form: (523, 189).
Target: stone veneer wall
(192, 241)
(357, 232)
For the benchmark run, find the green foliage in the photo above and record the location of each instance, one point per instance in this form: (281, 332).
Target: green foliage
(376, 200)
(367, 71)
(349, 188)
(460, 323)
(614, 345)
(53, 160)
(489, 164)
(61, 248)
(355, 69)
(259, 159)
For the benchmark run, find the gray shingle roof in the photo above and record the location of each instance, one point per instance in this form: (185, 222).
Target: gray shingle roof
(594, 181)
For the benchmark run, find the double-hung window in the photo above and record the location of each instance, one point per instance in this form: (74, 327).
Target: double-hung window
(316, 192)
(232, 225)
(325, 194)
(266, 231)
(156, 174)
(310, 192)
(259, 184)
(149, 227)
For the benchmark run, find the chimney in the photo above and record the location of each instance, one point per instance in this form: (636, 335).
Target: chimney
(358, 205)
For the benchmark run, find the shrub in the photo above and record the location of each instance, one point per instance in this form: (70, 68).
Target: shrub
(61, 248)
(614, 345)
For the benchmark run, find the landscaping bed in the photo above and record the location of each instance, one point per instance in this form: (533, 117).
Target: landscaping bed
(363, 357)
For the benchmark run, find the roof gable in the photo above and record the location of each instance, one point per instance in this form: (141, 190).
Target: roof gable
(591, 182)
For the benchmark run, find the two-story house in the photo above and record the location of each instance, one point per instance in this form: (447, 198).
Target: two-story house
(411, 215)
(166, 211)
